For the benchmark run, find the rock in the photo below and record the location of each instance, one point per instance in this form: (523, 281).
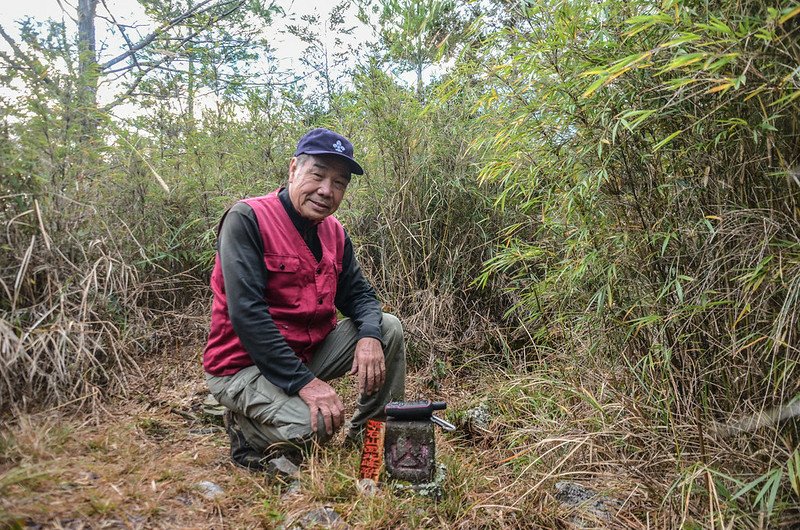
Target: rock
(209, 490)
(367, 487)
(325, 517)
(212, 410)
(293, 489)
(585, 500)
(477, 419)
(281, 466)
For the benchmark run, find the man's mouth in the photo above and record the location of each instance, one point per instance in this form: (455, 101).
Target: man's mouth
(319, 205)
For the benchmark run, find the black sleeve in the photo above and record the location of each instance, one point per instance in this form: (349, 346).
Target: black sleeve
(241, 256)
(355, 297)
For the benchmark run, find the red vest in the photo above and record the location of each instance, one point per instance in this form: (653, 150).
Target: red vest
(300, 292)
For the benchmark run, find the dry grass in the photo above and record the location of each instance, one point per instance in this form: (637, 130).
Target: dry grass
(77, 312)
(139, 461)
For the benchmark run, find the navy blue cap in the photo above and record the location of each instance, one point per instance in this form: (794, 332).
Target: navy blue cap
(325, 142)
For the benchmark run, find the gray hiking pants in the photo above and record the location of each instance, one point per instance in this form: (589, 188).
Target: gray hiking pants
(268, 417)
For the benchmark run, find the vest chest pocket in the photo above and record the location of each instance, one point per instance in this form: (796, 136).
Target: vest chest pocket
(284, 282)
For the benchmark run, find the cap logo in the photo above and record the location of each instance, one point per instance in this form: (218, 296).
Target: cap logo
(338, 146)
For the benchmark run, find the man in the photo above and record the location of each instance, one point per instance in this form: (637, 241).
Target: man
(284, 265)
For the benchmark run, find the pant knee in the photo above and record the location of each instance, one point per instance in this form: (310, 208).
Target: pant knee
(392, 328)
(301, 433)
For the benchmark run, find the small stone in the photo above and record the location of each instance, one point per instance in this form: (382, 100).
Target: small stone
(212, 410)
(325, 517)
(574, 495)
(367, 487)
(209, 490)
(478, 419)
(293, 490)
(281, 466)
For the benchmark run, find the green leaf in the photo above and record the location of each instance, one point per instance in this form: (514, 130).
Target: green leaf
(793, 470)
(639, 116)
(682, 39)
(683, 60)
(791, 14)
(749, 486)
(666, 140)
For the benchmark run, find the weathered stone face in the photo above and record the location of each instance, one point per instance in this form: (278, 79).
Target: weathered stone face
(410, 450)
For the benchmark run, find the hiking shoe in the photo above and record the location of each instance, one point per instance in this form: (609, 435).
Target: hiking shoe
(245, 456)
(241, 453)
(354, 438)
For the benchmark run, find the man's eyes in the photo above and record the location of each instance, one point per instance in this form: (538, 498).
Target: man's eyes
(340, 184)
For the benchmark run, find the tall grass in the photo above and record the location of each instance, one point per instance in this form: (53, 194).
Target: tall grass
(606, 190)
(654, 148)
(421, 222)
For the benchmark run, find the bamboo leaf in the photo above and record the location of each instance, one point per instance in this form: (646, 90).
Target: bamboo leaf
(791, 14)
(682, 61)
(639, 116)
(683, 39)
(597, 83)
(793, 467)
(719, 88)
(666, 140)
(749, 486)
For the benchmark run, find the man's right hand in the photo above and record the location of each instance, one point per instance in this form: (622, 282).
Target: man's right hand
(322, 398)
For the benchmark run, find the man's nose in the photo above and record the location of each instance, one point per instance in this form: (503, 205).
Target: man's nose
(325, 188)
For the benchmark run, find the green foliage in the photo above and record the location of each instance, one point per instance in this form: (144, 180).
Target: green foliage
(419, 219)
(654, 149)
(605, 184)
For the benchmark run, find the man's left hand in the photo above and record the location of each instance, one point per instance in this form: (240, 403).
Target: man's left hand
(368, 363)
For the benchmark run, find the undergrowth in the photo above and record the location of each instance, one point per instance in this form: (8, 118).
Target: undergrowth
(595, 213)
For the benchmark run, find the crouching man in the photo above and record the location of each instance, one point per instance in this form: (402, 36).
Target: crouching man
(284, 265)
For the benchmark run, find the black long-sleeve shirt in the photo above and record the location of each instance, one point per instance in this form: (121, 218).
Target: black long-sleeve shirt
(241, 254)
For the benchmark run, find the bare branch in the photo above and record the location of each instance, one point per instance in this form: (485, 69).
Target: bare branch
(140, 77)
(133, 86)
(202, 7)
(122, 32)
(74, 9)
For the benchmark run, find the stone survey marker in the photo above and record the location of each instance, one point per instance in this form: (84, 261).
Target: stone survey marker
(410, 450)
(410, 446)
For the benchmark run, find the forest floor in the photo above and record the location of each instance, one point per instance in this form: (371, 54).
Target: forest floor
(141, 461)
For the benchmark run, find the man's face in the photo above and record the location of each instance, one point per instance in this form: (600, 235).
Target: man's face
(317, 185)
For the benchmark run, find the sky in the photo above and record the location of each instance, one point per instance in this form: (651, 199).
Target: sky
(131, 12)
(287, 47)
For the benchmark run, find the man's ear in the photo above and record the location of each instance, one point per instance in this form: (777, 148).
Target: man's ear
(292, 168)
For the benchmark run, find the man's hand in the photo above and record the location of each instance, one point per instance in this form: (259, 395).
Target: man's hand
(322, 398)
(369, 364)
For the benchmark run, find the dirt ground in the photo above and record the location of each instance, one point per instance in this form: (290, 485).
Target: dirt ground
(154, 459)
(138, 463)
(145, 460)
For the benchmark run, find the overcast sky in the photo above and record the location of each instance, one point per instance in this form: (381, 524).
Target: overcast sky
(288, 47)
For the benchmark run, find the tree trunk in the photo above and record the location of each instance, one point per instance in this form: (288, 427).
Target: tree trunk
(419, 79)
(190, 94)
(87, 66)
